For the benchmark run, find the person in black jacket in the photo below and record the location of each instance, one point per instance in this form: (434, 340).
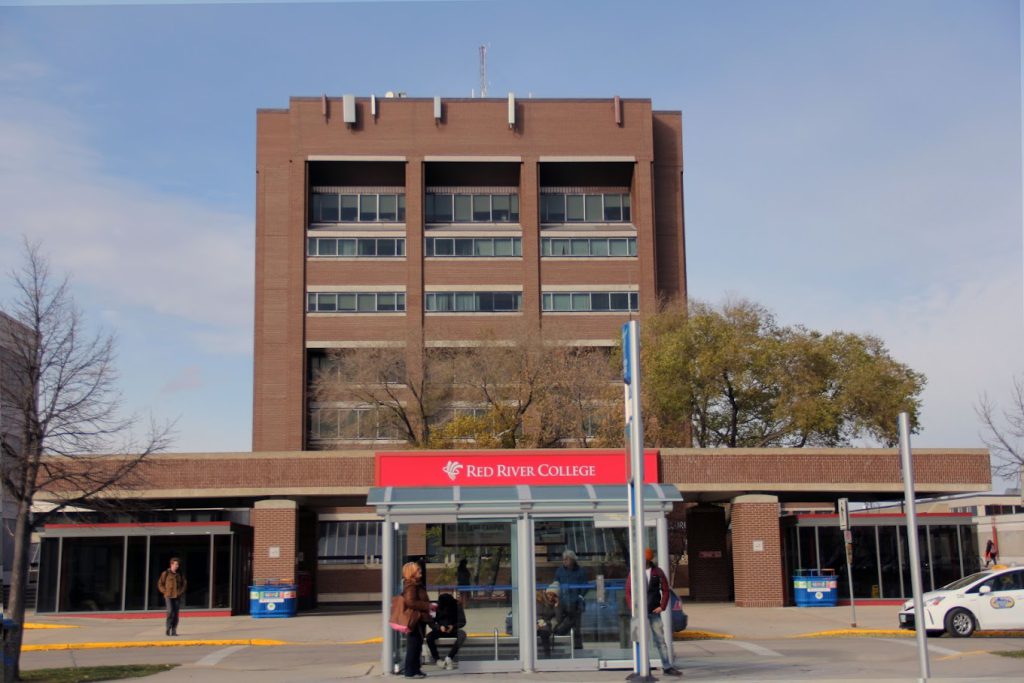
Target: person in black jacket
(448, 623)
(657, 602)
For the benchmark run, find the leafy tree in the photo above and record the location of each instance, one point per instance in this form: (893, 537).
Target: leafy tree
(1004, 431)
(732, 376)
(61, 414)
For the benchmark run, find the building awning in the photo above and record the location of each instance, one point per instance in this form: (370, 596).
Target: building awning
(139, 529)
(444, 503)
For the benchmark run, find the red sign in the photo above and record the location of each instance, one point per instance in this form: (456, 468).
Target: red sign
(509, 468)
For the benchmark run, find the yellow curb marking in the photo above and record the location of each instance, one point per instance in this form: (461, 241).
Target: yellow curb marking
(30, 627)
(368, 641)
(151, 643)
(871, 632)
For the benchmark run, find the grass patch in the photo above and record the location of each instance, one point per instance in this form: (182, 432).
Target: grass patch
(1018, 654)
(85, 674)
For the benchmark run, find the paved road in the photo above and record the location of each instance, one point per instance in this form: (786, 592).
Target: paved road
(327, 645)
(820, 659)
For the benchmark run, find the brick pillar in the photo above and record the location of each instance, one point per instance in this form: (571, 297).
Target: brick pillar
(757, 552)
(275, 536)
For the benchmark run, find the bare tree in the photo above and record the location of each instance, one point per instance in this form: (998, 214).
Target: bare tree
(1004, 432)
(582, 404)
(62, 414)
(365, 394)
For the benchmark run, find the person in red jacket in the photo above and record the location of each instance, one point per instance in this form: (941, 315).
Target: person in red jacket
(657, 602)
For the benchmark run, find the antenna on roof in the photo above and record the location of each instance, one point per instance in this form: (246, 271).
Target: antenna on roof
(483, 71)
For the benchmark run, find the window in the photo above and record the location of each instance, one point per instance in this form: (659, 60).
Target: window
(349, 542)
(473, 246)
(599, 247)
(355, 302)
(350, 423)
(364, 207)
(608, 207)
(356, 246)
(473, 302)
(442, 207)
(463, 208)
(581, 302)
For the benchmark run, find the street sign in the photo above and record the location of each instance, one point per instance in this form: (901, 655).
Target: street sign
(844, 514)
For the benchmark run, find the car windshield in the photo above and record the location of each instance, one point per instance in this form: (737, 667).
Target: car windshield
(966, 581)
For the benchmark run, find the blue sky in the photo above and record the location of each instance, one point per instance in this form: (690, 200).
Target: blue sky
(851, 166)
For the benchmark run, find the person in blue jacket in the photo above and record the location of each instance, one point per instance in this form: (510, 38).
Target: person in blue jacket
(572, 580)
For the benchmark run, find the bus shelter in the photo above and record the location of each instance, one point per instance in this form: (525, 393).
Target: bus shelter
(498, 547)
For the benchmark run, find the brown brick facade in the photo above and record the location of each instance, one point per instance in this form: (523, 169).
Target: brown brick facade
(275, 528)
(405, 132)
(757, 552)
(190, 475)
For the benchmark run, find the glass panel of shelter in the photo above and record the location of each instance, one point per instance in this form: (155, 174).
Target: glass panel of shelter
(580, 607)
(476, 562)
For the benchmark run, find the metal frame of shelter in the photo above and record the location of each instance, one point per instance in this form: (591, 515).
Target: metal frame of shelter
(604, 504)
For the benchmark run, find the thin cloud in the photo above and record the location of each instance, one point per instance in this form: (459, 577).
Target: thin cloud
(189, 379)
(139, 247)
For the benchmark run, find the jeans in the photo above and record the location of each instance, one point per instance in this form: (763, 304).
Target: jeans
(460, 638)
(413, 650)
(172, 613)
(658, 636)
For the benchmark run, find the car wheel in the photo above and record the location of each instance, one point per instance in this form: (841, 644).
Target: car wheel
(960, 623)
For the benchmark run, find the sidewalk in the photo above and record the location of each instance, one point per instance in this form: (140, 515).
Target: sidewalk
(332, 626)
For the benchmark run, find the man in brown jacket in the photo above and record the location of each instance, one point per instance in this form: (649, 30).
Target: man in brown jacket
(172, 586)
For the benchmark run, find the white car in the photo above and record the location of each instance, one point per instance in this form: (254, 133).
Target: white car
(989, 600)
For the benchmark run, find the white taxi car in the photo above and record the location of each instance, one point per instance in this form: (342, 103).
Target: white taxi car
(989, 600)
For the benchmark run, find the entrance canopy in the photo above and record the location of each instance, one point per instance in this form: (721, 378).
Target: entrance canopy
(464, 501)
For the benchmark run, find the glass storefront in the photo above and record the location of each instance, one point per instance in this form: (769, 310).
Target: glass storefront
(881, 567)
(114, 568)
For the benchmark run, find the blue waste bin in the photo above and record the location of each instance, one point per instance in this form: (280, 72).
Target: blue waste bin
(272, 600)
(815, 588)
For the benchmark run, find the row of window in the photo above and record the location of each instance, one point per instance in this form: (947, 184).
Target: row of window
(474, 246)
(474, 302)
(349, 542)
(357, 208)
(470, 246)
(355, 302)
(350, 423)
(591, 301)
(584, 208)
(469, 302)
(470, 208)
(355, 246)
(588, 246)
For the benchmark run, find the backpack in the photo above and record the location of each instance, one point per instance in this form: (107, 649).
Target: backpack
(675, 608)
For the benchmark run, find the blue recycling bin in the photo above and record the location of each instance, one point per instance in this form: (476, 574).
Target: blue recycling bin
(815, 588)
(273, 600)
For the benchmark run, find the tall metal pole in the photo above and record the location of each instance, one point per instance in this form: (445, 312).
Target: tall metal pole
(635, 445)
(920, 625)
(387, 587)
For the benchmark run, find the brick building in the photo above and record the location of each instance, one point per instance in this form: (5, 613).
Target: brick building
(420, 224)
(416, 225)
